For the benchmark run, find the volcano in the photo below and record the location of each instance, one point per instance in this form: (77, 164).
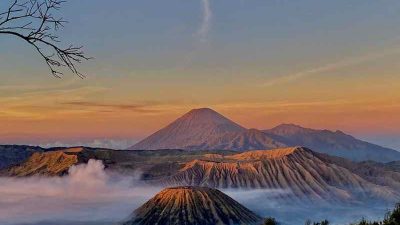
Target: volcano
(205, 129)
(192, 206)
(305, 174)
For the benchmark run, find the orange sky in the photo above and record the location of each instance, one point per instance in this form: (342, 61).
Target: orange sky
(260, 66)
(80, 110)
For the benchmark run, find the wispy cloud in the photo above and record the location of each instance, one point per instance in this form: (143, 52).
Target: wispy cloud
(142, 108)
(95, 143)
(331, 67)
(203, 30)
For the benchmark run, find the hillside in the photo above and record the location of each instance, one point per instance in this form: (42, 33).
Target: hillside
(305, 174)
(52, 163)
(192, 206)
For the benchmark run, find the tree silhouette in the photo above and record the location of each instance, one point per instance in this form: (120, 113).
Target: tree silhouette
(270, 221)
(35, 22)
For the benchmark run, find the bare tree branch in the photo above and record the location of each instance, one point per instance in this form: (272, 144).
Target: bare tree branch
(34, 21)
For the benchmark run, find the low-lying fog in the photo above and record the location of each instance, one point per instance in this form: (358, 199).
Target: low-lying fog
(91, 196)
(292, 212)
(87, 194)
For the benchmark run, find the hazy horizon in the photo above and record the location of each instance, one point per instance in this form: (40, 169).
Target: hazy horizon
(392, 142)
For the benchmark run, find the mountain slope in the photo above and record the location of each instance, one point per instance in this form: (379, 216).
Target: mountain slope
(333, 143)
(205, 129)
(192, 206)
(305, 174)
(241, 141)
(51, 163)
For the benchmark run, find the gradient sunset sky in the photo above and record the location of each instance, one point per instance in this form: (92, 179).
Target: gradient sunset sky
(320, 64)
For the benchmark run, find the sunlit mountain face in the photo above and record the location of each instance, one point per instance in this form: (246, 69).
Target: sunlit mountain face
(199, 112)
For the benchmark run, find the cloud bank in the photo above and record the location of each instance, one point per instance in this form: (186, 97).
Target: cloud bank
(287, 211)
(91, 196)
(87, 195)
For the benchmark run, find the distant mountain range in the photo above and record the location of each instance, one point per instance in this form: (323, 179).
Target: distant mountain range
(334, 143)
(205, 129)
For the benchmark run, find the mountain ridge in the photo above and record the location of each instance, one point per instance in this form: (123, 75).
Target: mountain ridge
(308, 175)
(335, 143)
(206, 129)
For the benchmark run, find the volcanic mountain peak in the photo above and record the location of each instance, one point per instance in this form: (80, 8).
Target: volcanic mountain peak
(307, 174)
(190, 131)
(207, 118)
(192, 206)
(205, 129)
(207, 115)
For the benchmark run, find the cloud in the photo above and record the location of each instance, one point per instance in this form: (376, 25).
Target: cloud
(87, 194)
(96, 143)
(141, 108)
(37, 103)
(330, 67)
(277, 203)
(206, 20)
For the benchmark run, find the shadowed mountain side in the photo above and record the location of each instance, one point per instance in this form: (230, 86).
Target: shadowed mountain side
(333, 143)
(192, 206)
(378, 173)
(304, 173)
(14, 154)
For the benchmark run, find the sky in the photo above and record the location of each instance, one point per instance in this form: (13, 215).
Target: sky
(320, 64)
